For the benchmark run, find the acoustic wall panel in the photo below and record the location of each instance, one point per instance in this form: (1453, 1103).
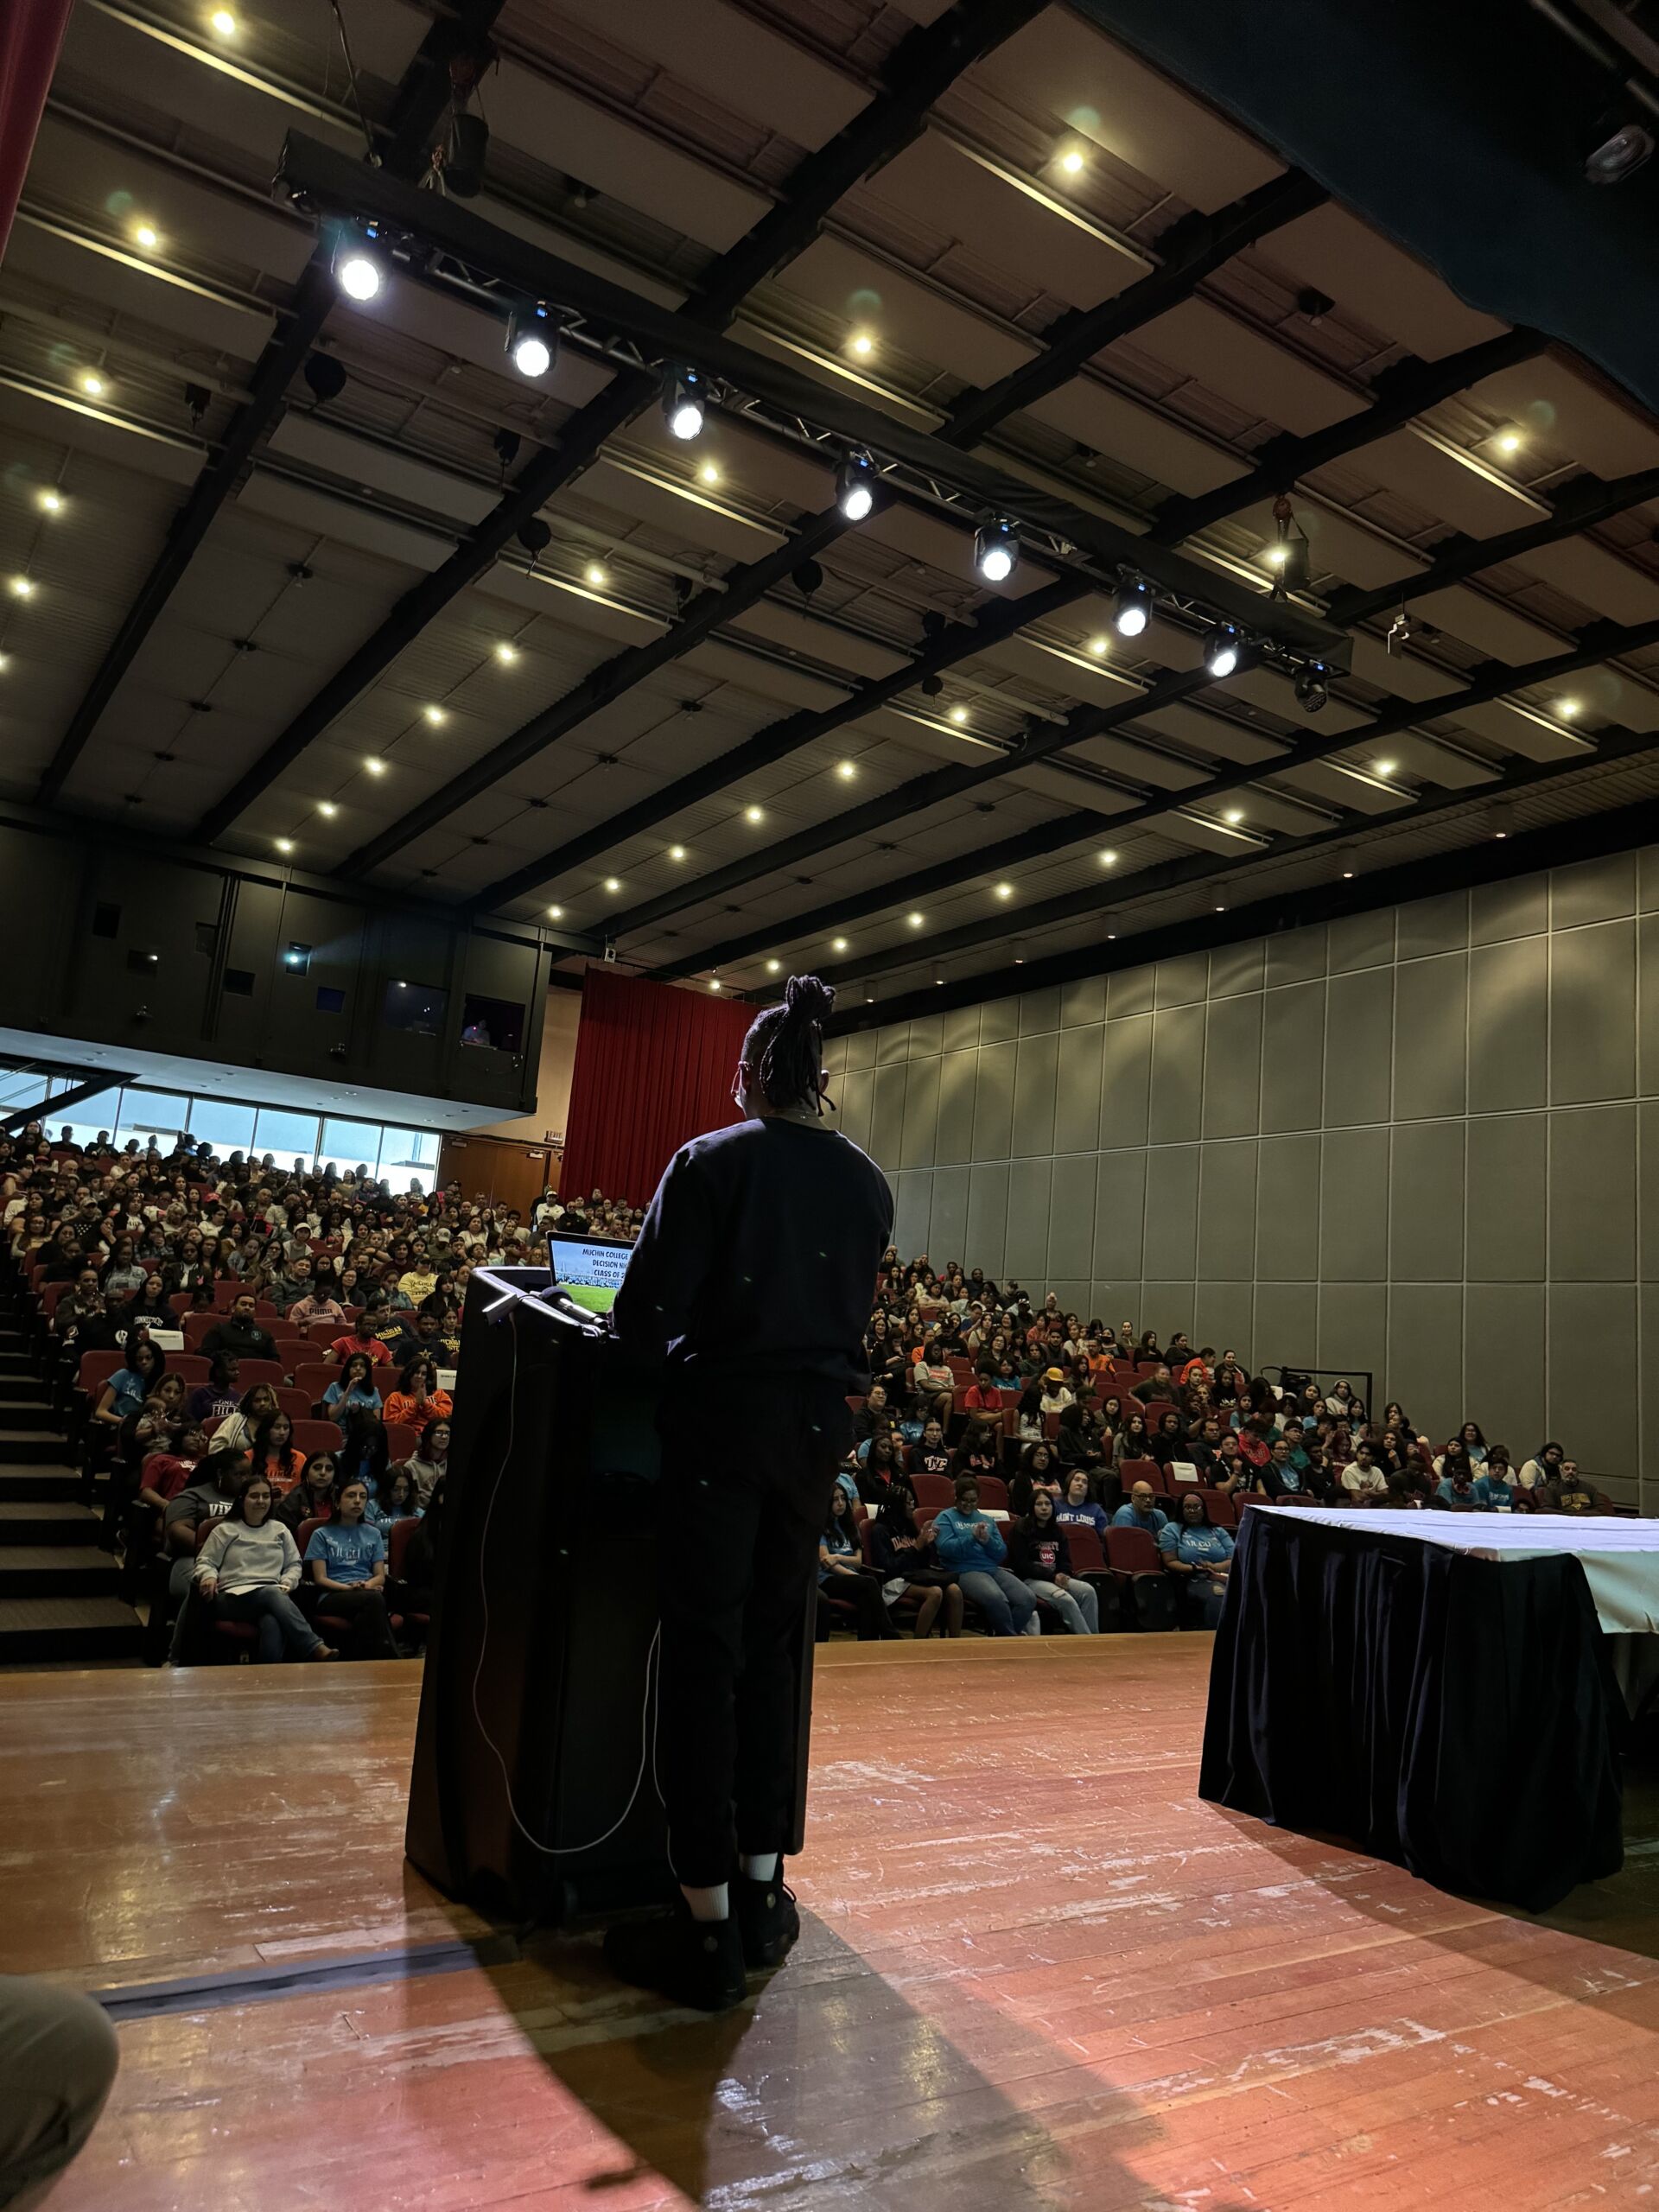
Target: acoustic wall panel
(1424, 1142)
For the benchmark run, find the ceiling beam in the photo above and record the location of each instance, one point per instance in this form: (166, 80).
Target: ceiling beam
(922, 66)
(1399, 395)
(998, 619)
(1493, 680)
(1578, 506)
(418, 104)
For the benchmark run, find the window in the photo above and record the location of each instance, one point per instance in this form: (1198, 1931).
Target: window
(287, 1137)
(227, 1127)
(415, 1008)
(409, 1156)
(100, 1112)
(146, 1114)
(330, 999)
(492, 1021)
(347, 1146)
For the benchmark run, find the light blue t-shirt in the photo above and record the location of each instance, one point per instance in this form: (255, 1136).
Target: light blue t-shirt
(1197, 1546)
(1151, 1520)
(349, 1554)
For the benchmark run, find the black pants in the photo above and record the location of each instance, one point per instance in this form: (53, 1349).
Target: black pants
(366, 1610)
(863, 1593)
(733, 1626)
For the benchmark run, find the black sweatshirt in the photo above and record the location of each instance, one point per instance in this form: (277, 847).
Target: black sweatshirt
(759, 1256)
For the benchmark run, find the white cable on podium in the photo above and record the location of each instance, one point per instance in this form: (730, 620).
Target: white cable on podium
(646, 1731)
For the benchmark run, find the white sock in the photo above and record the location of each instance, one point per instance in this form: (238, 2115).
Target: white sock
(706, 1904)
(758, 1866)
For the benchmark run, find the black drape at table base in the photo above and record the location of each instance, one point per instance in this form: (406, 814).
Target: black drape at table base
(1457, 1716)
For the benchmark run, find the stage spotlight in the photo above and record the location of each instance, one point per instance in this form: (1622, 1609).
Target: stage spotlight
(356, 264)
(1311, 689)
(1133, 608)
(532, 341)
(856, 487)
(995, 549)
(683, 405)
(1221, 650)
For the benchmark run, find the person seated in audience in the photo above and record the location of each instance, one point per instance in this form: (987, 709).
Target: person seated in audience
(1134, 1442)
(206, 1498)
(413, 1335)
(983, 1394)
(1256, 1439)
(1455, 1461)
(1498, 1466)
(77, 1305)
(429, 1461)
(165, 1472)
(356, 1387)
(146, 1309)
(1538, 1472)
(1455, 1489)
(1276, 1479)
(1199, 1554)
(1040, 1557)
(1474, 1443)
(1492, 1487)
(1056, 1395)
(931, 1457)
(346, 1557)
(312, 1498)
(1569, 1491)
(1038, 1470)
(931, 1374)
(274, 1452)
(395, 1499)
(872, 1414)
(249, 1569)
(417, 1400)
(359, 1338)
(318, 1304)
(127, 1388)
(905, 1559)
(235, 1432)
(881, 1462)
(842, 1575)
(978, 1453)
(1079, 1439)
(241, 1332)
(1167, 1444)
(1141, 1510)
(413, 1592)
(1230, 1471)
(970, 1545)
(218, 1398)
(1362, 1480)
(1028, 1421)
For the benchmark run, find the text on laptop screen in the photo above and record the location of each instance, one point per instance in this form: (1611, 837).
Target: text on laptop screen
(589, 1268)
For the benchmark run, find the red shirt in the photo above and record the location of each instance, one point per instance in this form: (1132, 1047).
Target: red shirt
(343, 1347)
(166, 1473)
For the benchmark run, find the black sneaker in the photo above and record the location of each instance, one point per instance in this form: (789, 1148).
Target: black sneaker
(765, 1912)
(697, 1962)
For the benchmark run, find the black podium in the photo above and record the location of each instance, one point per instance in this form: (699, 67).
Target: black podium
(533, 1795)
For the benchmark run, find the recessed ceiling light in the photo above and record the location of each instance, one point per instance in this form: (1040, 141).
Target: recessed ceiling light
(1099, 645)
(1071, 161)
(1569, 709)
(224, 22)
(5, 660)
(1234, 816)
(435, 716)
(1005, 891)
(709, 473)
(506, 653)
(51, 502)
(596, 574)
(1347, 875)
(612, 883)
(1386, 768)
(22, 587)
(714, 982)
(91, 384)
(1109, 859)
(846, 770)
(938, 979)
(862, 344)
(916, 920)
(772, 967)
(147, 236)
(556, 914)
(326, 806)
(753, 814)
(284, 844)
(375, 768)
(838, 944)
(1509, 441)
(676, 852)
(958, 714)
(1221, 910)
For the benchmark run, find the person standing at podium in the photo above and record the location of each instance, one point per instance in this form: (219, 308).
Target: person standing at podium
(756, 1264)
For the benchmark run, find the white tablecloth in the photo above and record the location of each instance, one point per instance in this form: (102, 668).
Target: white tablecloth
(1621, 1558)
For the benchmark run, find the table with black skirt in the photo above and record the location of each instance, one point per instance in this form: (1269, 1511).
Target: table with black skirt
(1448, 1691)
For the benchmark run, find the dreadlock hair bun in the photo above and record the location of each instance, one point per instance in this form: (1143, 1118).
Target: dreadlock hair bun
(808, 998)
(785, 1045)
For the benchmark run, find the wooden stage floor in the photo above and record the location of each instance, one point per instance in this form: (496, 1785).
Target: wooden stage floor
(1036, 1971)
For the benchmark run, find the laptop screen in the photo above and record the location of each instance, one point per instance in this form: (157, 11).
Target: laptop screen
(590, 1269)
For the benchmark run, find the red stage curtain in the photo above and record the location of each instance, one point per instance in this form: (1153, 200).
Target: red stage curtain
(654, 1066)
(31, 32)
